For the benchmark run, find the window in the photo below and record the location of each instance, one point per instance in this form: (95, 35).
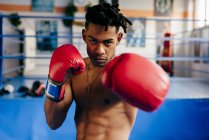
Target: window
(47, 35)
(43, 5)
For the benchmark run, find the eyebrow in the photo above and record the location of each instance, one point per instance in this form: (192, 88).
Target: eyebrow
(111, 39)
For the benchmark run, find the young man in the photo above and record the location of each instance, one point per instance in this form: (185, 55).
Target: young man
(100, 113)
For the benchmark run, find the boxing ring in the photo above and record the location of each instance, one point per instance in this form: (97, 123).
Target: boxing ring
(183, 115)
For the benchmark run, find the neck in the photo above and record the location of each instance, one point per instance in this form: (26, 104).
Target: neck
(90, 65)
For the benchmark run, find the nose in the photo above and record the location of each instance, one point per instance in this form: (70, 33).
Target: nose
(100, 49)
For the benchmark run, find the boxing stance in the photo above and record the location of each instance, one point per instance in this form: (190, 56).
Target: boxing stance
(107, 89)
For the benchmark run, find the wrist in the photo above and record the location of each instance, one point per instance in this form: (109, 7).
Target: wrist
(53, 91)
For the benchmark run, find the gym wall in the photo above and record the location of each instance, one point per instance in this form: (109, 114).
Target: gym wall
(153, 28)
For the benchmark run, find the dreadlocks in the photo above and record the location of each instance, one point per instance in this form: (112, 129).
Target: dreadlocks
(106, 15)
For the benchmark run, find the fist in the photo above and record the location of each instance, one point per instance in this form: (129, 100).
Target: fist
(64, 59)
(137, 80)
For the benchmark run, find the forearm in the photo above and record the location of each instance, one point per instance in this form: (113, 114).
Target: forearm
(55, 113)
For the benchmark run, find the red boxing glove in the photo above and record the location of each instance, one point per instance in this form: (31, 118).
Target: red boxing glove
(65, 59)
(137, 80)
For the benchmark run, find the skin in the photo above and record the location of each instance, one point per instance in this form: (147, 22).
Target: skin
(100, 114)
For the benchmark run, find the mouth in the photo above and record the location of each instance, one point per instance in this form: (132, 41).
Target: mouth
(99, 61)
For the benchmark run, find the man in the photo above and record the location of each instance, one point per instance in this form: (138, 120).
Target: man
(105, 110)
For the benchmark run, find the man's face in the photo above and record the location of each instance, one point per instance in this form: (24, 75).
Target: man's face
(101, 44)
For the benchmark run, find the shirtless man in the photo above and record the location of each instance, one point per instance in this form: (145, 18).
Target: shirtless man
(101, 114)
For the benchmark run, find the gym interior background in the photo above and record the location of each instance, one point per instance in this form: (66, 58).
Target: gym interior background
(172, 33)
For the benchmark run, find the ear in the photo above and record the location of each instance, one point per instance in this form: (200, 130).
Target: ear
(83, 35)
(120, 36)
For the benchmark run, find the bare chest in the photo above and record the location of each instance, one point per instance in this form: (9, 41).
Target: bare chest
(89, 91)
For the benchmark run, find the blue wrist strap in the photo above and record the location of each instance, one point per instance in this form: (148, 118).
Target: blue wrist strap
(53, 91)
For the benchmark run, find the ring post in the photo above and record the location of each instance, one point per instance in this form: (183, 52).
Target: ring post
(1, 49)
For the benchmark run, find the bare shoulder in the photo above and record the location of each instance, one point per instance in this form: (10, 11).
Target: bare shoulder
(86, 59)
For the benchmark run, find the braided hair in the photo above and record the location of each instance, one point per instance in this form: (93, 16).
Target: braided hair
(106, 15)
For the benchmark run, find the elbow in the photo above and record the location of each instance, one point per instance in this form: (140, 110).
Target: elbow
(52, 125)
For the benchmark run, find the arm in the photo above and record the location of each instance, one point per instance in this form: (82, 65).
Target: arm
(56, 112)
(65, 60)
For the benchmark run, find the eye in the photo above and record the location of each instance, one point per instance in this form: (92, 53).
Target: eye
(107, 43)
(93, 41)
